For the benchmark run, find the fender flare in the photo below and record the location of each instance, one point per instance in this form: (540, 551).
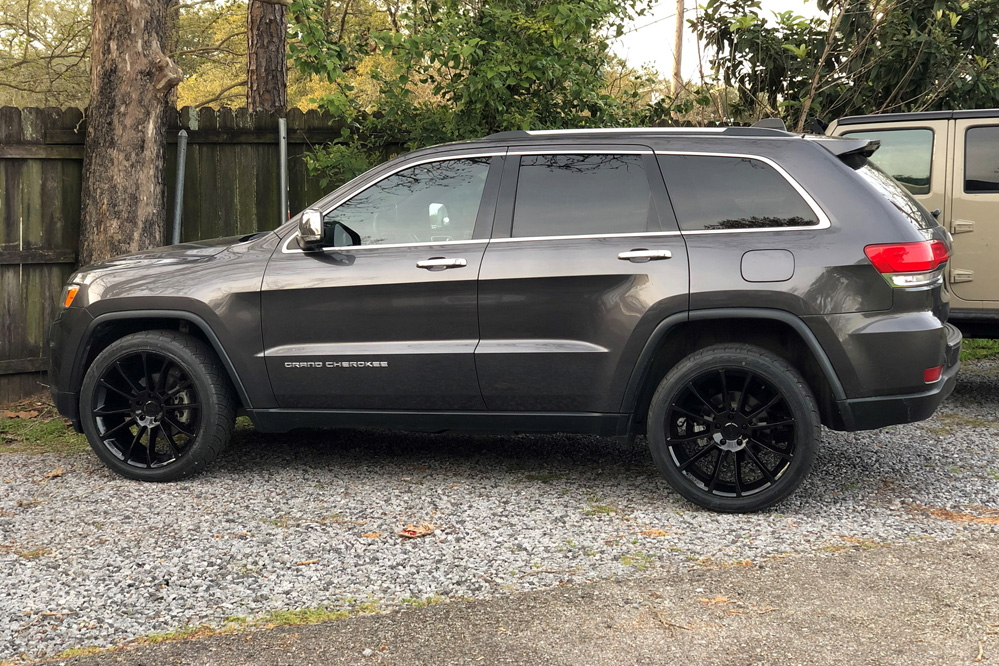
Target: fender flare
(638, 374)
(189, 317)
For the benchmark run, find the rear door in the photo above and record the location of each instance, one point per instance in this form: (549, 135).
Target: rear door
(585, 261)
(974, 270)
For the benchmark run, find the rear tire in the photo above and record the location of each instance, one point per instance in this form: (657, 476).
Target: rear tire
(733, 428)
(157, 406)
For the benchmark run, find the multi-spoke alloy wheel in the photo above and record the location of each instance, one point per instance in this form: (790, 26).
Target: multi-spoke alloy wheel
(157, 406)
(733, 428)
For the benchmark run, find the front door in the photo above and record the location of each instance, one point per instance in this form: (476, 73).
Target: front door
(975, 211)
(389, 324)
(580, 270)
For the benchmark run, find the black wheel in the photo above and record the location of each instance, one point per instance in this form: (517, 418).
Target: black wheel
(157, 406)
(733, 428)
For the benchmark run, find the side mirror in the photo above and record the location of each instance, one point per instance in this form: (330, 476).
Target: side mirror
(310, 229)
(935, 213)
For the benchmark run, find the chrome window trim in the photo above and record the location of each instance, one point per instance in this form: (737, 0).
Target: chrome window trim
(824, 222)
(636, 234)
(580, 151)
(402, 167)
(387, 246)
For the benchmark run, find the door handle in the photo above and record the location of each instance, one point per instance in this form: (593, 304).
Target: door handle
(441, 263)
(963, 226)
(646, 255)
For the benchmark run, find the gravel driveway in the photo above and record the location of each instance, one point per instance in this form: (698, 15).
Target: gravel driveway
(307, 520)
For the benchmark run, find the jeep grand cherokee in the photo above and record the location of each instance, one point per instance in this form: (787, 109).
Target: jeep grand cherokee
(721, 291)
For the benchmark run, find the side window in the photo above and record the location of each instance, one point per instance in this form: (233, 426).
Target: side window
(724, 193)
(567, 195)
(905, 154)
(981, 159)
(432, 202)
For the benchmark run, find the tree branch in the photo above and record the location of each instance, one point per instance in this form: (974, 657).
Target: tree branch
(221, 95)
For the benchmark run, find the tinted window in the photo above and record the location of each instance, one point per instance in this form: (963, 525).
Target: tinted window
(981, 159)
(564, 195)
(906, 155)
(432, 202)
(712, 193)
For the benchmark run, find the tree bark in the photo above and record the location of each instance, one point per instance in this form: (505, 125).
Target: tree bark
(267, 62)
(124, 192)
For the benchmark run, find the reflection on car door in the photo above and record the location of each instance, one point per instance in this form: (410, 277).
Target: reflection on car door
(390, 324)
(584, 263)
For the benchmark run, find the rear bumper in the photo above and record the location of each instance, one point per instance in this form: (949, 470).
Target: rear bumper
(877, 412)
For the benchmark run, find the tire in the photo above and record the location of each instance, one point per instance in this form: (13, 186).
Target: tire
(161, 388)
(741, 453)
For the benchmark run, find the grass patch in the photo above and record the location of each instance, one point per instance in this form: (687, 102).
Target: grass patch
(78, 652)
(599, 509)
(418, 602)
(44, 433)
(298, 617)
(638, 559)
(949, 421)
(975, 348)
(235, 624)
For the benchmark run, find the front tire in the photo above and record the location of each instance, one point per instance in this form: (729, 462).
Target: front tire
(157, 406)
(733, 428)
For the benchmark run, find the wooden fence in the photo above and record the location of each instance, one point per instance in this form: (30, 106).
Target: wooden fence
(230, 187)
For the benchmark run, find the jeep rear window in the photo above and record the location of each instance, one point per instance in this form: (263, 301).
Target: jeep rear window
(566, 195)
(730, 193)
(906, 154)
(897, 195)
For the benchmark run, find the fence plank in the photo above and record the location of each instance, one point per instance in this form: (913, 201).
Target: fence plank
(40, 152)
(8, 257)
(21, 365)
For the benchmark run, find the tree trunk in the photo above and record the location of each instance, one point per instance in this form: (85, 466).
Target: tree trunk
(267, 62)
(124, 193)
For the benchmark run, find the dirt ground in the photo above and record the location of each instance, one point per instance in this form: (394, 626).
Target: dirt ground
(925, 603)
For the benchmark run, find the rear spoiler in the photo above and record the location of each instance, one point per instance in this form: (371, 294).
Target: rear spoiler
(844, 146)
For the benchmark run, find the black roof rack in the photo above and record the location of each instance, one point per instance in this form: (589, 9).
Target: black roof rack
(916, 116)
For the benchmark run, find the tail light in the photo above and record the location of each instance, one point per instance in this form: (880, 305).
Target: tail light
(909, 264)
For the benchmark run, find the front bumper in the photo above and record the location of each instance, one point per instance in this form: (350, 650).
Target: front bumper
(65, 337)
(880, 411)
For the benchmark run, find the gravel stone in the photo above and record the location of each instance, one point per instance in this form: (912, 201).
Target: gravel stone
(310, 519)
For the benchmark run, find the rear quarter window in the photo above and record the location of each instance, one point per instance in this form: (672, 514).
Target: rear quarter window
(731, 193)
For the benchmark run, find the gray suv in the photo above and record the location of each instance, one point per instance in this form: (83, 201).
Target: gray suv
(721, 291)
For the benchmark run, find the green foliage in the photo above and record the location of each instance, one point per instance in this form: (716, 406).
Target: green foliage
(867, 56)
(450, 70)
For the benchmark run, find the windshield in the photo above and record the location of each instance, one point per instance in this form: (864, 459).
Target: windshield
(897, 195)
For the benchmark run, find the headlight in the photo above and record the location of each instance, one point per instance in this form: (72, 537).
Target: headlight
(68, 294)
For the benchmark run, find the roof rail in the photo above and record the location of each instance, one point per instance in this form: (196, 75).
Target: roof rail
(596, 131)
